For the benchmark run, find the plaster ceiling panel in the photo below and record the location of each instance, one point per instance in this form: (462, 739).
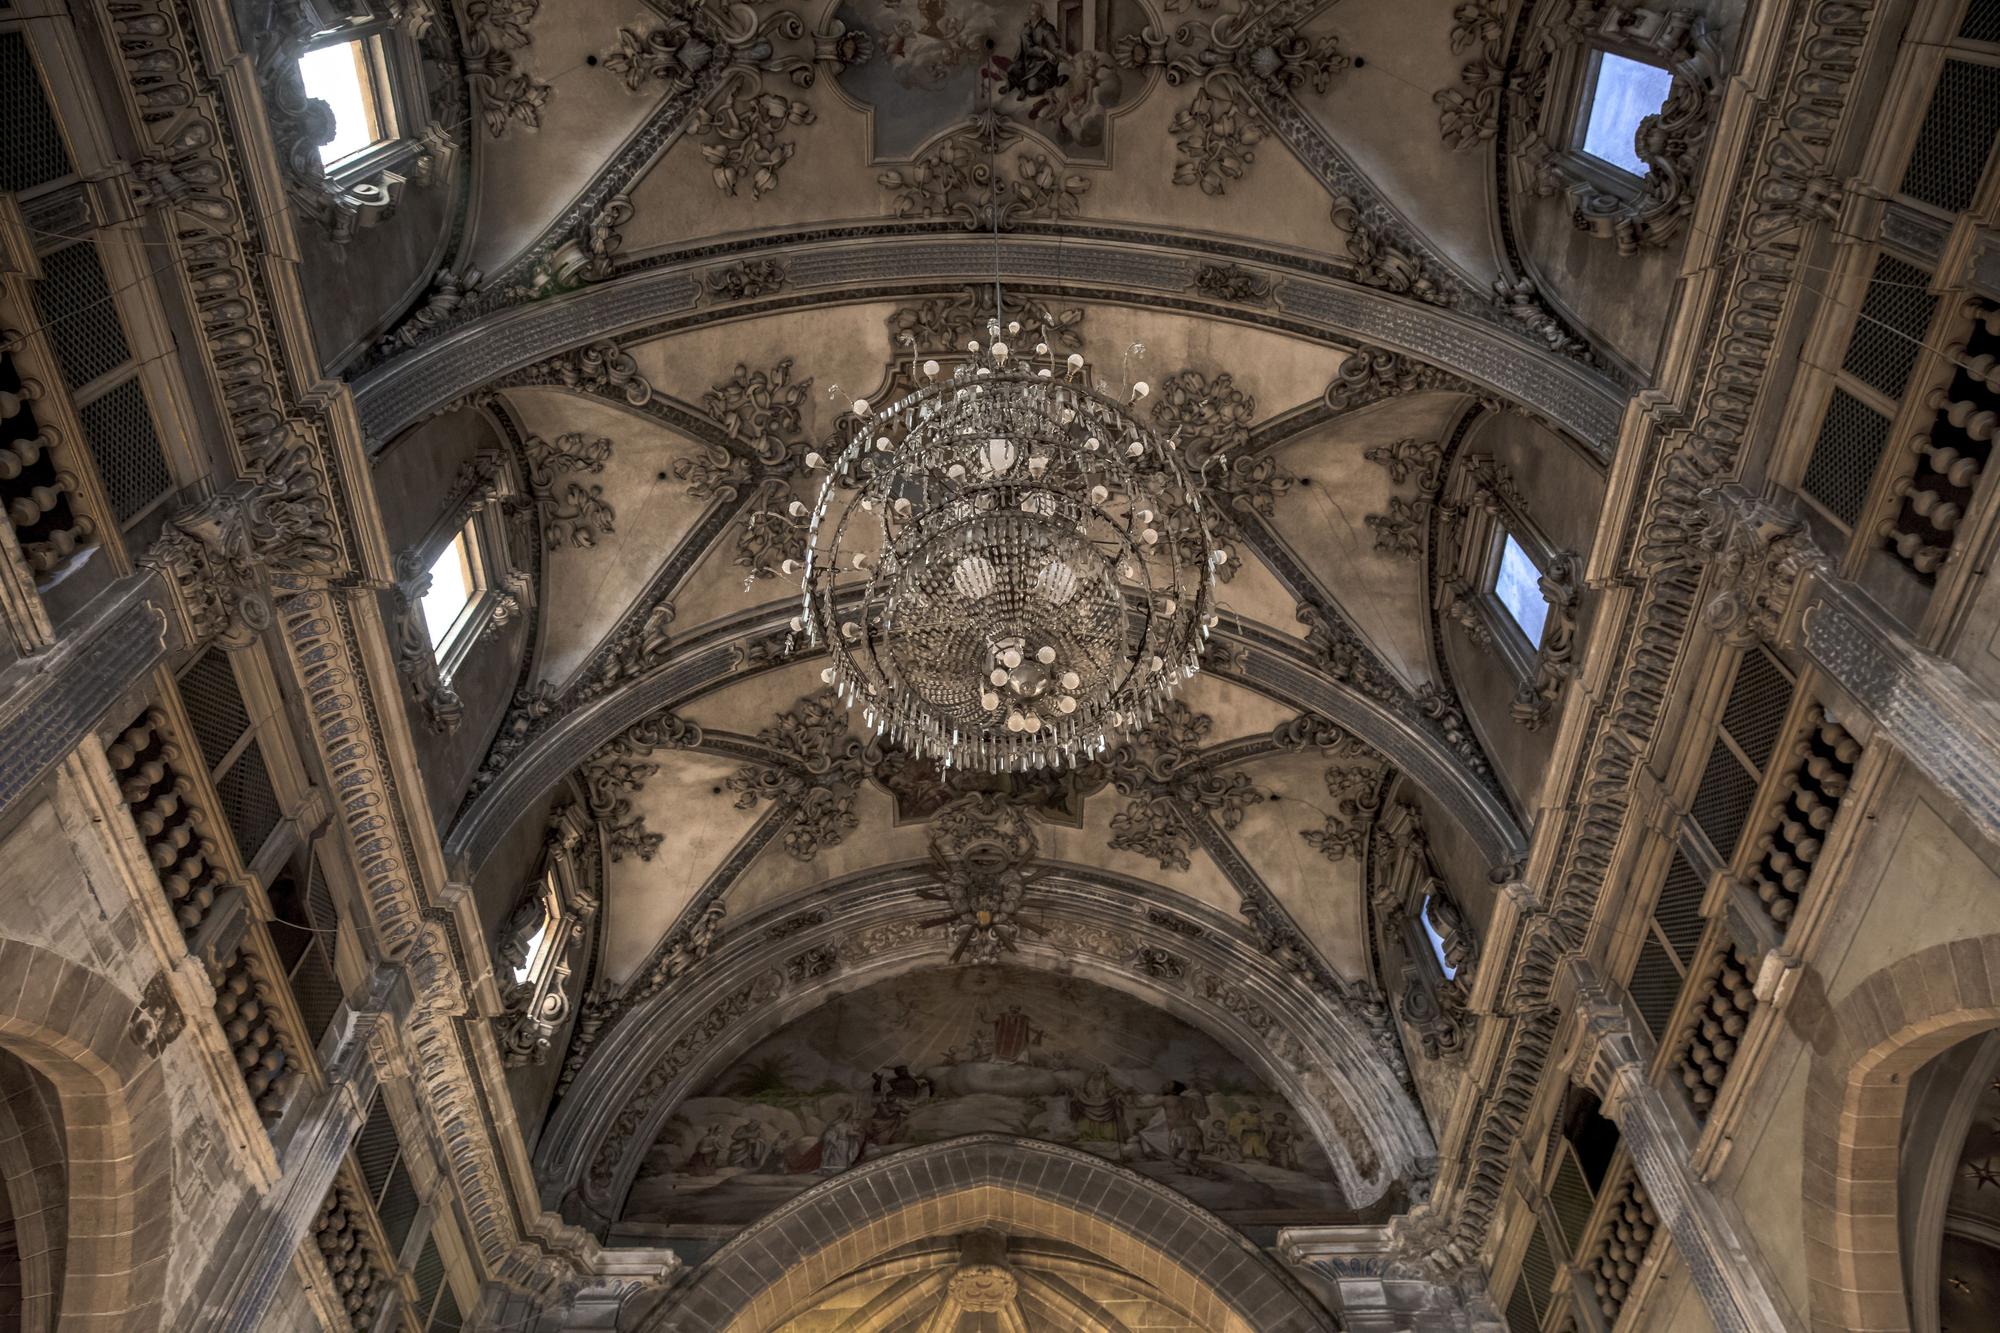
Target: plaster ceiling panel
(586, 589)
(753, 703)
(876, 841)
(1323, 896)
(699, 826)
(1324, 522)
(1275, 202)
(527, 177)
(1090, 845)
(1233, 711)
(1253, 594)
(843, 350)
(1276, 370)
(1382, 114)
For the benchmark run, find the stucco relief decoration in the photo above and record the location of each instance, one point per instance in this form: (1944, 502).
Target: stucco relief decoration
(587, 256)
(983, 849)
(1469, 114)
(618, 770)
(1671, 143)
(496, 36)
(1210, 421)
(964, 177)
(601, 368)
(975, 1050)
(1356, 802)
(1371, 376)
(1381, 261)
(437, 702)
(572, 513)
(947, 323)
(762, 413)
(1168, 781)
(1218, 131)
(1561, 586)
(1401, 531)
(1759, 554)
(814, 769)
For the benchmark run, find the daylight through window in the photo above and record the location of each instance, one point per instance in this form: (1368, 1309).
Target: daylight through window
(1517, 584)
(1437, 940)
(450, 591)
(339, 75)
(1625, 93)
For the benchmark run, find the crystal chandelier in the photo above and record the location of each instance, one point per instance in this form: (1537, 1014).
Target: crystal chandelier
(1007, 567)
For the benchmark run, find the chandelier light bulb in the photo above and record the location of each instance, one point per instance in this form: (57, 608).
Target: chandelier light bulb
(1011, 658)
(1099, 494)
(998, 676)
(1041, 349)
(789, 566)
(1134, 449)
(972, 346)
(902, 507)
(1141, 389)
(988, 700)
(883, 443)
(930, 370)
(1015, 722)
(1030, 723)
(851, 632)
(861, 408)
(1149, 537)
(1065, 705)
(1090, 444)
(1070, 680)
(796, 509)
(1045, 654)
(1075, 361)
(1000, 351)
(1013, 328)
(813, 460)
(826, 676)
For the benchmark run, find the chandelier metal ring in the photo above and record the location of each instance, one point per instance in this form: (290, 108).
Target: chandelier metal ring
(1007, 567)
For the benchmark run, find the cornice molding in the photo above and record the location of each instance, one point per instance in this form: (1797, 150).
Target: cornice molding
(1316, 1047)
(668, 293)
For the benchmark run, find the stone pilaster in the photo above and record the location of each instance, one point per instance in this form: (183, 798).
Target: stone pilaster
(1778, 585)
(1711, 1239)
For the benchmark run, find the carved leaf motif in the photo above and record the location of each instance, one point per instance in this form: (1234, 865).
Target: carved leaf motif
(742, 139)
(1217, 137)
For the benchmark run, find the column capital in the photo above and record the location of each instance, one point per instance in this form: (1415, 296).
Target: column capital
(1761, 552)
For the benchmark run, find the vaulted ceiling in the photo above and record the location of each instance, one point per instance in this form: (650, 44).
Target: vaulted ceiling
(698, 234)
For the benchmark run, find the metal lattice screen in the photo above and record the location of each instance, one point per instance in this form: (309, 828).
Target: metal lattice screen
(1759, 698)
(1721, 804)
(1538, 1273)
(429, 1273)
(248, 802)
(118, 428)
(1570, 1197)
(1851, 439)
(1982, 21)
(1956, 138)
(214, 705)
(79, 316)
(31, 148)
(446, 1318)
(1895, 314)
(398, 1208)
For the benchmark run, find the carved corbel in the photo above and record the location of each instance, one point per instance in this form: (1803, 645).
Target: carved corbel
(416, 661)
(1760, 553)
(1555, 658)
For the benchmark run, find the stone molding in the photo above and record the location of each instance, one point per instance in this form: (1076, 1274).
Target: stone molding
(1316, 1048)
(836, 265)
(961, 1184)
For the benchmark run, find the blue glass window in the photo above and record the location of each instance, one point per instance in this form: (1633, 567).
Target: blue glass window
(1437, 940)
(1625, 93)
(1517, 583)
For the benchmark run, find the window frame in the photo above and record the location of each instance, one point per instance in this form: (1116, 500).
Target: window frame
(380, 89)
(534, 1001)
(1612, 175)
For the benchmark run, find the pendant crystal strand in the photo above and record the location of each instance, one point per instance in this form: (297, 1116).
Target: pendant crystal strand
(1007, 568)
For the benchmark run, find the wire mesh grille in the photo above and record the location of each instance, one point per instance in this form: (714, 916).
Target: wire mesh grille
(1895, 314)
(1538, 1270)
(398, 1209)
(118, 427)
(214, 705)
(1851, 439)
(1956, 138)
(1678, 908)
(248, 802)
(79, 316)
(1759, 698)
(1722, 803)
(1982, 21)
(316, 989)
(1521, 1316)
(446, 1318)
(376, 1148)
(31, 150)
(429, 1272)
(1655, 987)
(1570, 1197)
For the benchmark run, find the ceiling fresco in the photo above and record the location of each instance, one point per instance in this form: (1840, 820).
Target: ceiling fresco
(984, 1050)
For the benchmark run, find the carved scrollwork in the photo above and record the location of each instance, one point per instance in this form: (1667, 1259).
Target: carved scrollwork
(496, 34)
(1371, 376)
(1759, 553)
(1469, 114)
(617, 771)
(1554, 658)
(816, 768)
(960, 178)
(572, 513)
(1164, 773)
(944, 323)
(1380, 261)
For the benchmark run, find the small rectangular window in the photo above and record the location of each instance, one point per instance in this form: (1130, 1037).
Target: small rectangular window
(1517, 585)
(534, 949)
(1437, 941)
(450, 591)
(342, 75)
(1623, 93)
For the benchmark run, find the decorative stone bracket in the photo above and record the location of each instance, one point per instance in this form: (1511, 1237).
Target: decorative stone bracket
(533, 948)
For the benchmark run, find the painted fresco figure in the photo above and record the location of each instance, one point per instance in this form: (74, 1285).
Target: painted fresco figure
(708, 1153)
(1181, 1109)
(1219, 1146)
(1037, 63)
(1098, 1110)
(840, 1143)
(1283, 1141)
(1252, 1139)
(1013, 1034)
(748, 1148)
